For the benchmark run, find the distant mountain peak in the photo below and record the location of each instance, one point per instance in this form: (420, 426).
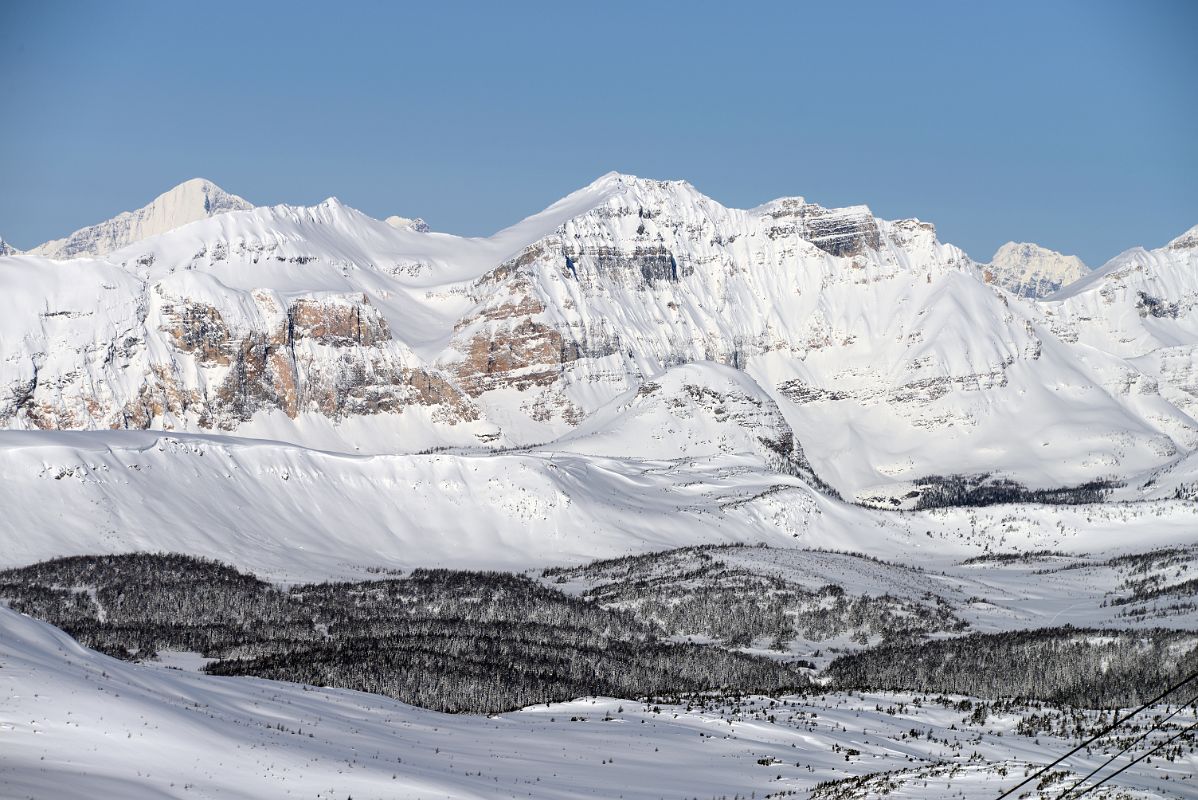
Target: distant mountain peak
(1029, 270)
(407, 223)
(7, 249)
(190, 201)
(1186, 241)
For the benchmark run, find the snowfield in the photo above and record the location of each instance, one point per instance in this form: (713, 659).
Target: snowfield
(296, 514)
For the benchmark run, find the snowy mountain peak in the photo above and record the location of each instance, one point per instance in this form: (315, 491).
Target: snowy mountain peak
(408, 223)
(644, 190)
(1029, 270)
(7, 249)
(1187, 241)
(188, 202)
(624, 180)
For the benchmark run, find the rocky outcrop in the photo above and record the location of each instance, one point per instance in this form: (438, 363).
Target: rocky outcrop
(200, 330)
(838, 231)
(337, 323)
(519, 356)
(1187, 241)
(218, 362)
(652, 264)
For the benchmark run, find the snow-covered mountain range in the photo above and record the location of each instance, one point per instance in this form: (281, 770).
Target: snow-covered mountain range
(311, 394)
(879, 355)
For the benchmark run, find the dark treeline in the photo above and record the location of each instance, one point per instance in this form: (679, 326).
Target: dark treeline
(691, 591)
(452, 641)
(943, 491)
(1014, 558)
(490, 641)
(1068, 666)
(1156, 574)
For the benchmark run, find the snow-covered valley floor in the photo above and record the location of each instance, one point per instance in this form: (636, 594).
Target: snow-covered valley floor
(77, 724)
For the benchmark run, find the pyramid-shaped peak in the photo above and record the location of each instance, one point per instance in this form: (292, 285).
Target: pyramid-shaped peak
(196, 194)
(190, 201)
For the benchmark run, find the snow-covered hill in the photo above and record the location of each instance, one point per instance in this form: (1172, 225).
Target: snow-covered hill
(299, 514)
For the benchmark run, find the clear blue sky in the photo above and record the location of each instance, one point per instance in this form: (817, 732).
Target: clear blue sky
(1073, 124)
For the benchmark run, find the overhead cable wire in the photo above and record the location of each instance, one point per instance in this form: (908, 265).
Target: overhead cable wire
(1098, 735)
(1156, 726)
(1131, 764)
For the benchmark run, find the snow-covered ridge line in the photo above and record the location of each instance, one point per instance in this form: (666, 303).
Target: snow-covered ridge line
(887, 353)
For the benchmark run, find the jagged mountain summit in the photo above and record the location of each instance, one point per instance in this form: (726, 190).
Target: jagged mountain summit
(7, 249)
(1029, 270)
(885, 357)
(192, 200)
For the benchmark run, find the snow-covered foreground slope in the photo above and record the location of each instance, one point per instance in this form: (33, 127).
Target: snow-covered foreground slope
(886, 352)
(295, 513)
(76, 724)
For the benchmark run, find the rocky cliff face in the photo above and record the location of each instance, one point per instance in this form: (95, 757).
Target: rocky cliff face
(886, 354)
(186, 352)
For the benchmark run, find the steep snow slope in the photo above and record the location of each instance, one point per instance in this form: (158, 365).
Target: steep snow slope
(1029, 270)
(887, 354)
(1142, 307)
(189, 201)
